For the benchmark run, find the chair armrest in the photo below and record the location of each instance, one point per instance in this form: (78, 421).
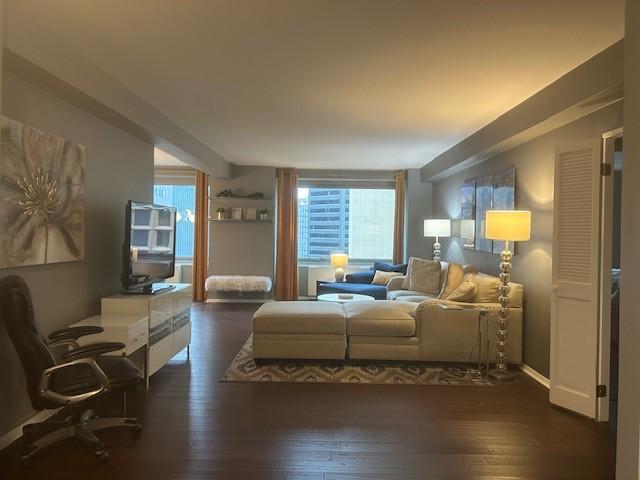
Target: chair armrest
(61, 399)
(74, 333)
(92, 350)
(395, 283)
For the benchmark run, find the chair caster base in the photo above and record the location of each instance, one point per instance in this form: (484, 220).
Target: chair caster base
(102, 456)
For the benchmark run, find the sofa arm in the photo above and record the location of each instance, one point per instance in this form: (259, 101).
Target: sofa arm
(452, 333)
(395, 283)
(448, 334)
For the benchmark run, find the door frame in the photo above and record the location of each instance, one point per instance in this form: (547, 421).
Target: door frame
(606, 248)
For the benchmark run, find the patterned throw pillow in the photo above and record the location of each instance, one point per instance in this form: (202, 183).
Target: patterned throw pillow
(454, 277)
(382, 278)
(423, 276)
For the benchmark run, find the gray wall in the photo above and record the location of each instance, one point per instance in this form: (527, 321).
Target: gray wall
(119, 167)
(534, 162)
(244, 248)
(418, 208)
(629, 386)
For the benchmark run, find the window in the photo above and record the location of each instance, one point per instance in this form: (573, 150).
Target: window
(356, 221)
(183, 198)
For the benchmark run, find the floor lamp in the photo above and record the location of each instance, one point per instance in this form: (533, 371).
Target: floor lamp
(435, 227)
(514, 226)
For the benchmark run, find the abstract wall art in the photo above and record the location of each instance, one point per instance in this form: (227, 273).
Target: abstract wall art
(488, 192)
(42, 211)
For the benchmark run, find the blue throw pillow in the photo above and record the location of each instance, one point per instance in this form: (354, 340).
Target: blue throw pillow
(389, 267)
(360, 277)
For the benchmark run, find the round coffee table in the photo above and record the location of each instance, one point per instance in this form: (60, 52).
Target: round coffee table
(335, 297)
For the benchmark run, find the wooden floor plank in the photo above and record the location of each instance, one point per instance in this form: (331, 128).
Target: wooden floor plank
(197, 428)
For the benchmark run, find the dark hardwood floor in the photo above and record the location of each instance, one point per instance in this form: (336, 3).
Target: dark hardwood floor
(198, 428)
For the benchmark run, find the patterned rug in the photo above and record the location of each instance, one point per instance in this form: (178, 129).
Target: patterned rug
(244, 369)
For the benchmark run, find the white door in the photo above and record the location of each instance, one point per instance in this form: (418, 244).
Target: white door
(574, 298)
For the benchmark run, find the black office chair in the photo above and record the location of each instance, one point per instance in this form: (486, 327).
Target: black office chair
(74, 383)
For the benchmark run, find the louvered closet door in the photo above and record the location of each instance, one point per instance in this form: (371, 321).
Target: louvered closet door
(574, 299)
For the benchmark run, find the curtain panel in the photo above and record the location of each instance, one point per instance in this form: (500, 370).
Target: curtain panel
(286, 281)
(398, 220)
(201, 227)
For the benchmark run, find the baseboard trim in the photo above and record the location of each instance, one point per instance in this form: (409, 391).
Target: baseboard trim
(538, 377)
(15, 433)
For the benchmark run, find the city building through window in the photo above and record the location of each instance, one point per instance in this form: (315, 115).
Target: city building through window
(356, 221)
(183, 198)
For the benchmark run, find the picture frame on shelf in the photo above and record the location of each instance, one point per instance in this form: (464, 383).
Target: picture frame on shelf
(252, 214)
(236, 213)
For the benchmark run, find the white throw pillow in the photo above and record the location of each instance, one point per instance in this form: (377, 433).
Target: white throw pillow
(465, 292)
(487, 289)
(453, 278)
(383, 278)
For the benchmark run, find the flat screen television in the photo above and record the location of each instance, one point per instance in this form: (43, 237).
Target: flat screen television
(149, 254)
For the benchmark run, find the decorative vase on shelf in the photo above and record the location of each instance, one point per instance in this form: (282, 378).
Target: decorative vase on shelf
(220, 214)
(263, 215)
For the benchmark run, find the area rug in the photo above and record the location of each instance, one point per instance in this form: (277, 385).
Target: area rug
(244, 369)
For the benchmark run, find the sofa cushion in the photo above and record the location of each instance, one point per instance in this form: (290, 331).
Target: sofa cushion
(423, 276)
(383, 318)
(516, 294)
(390, 267)
(487, 288)
(396, 294)
(465, 292)
(300, 317)
(382, 278)
(415, 298)
(453, 278)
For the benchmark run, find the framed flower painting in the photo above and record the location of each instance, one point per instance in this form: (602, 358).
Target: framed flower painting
(42, 210)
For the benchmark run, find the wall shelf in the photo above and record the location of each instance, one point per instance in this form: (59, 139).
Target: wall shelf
(228, 220)
(240, 199)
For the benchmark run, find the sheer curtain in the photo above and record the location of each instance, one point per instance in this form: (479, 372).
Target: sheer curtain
(286, 281)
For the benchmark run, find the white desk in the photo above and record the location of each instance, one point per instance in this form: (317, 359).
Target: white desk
(132, 330)
(160, 323)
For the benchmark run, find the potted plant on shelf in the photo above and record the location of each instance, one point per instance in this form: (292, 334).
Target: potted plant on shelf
(226, 193)
(263, 214)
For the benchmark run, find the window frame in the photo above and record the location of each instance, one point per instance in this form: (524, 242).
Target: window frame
(179, 177)
(373, 181)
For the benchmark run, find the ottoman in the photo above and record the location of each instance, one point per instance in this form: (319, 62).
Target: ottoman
(312, 330)
(382, 330)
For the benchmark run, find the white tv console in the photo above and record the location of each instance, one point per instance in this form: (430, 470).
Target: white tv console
(167, 318)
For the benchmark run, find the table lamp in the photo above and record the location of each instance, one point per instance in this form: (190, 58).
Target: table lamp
(339, 261)
(434, 227)
(509, 226)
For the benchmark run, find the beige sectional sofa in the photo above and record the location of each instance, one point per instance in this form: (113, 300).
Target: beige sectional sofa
(407, 326)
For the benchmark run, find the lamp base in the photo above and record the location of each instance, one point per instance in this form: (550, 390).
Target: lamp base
(339, 275)
(501, 375)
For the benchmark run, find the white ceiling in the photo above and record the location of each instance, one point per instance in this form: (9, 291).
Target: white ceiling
(333, 83)
(164, 159)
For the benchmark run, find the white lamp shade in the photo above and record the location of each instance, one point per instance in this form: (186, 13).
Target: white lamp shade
(513, 225)
(339, 260)
(435, 227)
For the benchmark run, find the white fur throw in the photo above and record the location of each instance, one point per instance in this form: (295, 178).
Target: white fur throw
(238, 283)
